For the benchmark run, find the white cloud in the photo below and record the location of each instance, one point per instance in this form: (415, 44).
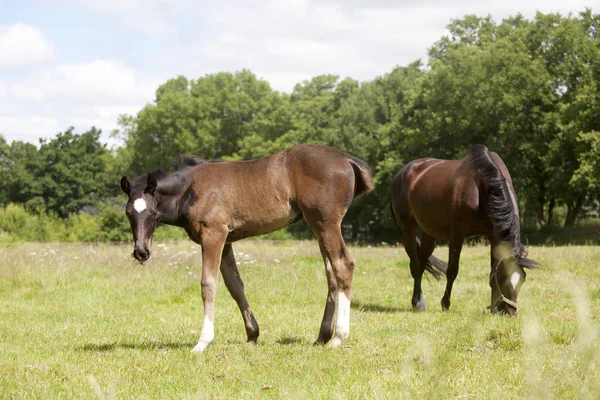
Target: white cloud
(82, 95)
(147, 17)
(27, 92)
(93, 82)
(28, 127)
(98, 81)
(23, 45)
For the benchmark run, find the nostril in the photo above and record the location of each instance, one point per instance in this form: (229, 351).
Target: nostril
(141, 254)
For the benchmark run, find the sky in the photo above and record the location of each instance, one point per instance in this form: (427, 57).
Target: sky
(82, 63)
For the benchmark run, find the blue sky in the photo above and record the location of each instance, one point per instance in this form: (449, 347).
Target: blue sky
(82, 63)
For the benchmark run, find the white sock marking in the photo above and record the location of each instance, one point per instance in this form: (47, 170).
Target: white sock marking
(514, 279)
(342, 322)
(206, 336)
(139, 205)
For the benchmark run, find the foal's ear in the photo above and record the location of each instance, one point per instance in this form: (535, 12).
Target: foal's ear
(151, 185)
(125, 185)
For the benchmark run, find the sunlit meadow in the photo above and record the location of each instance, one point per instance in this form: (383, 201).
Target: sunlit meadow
(86, 321)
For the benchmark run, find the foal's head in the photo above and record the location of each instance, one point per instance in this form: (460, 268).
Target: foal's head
(141, 209)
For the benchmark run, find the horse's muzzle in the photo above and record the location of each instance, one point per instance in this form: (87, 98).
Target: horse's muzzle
(510, 310)
(141, 254)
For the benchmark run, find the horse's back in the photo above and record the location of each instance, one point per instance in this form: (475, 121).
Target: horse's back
(436, 193)
(259, 196)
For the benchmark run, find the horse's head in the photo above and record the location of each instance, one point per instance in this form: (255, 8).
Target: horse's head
(141, 210)
(506, 279)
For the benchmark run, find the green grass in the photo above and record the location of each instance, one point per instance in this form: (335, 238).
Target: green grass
(86, 321)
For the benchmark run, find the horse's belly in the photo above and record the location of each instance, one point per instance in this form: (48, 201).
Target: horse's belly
(438, 228)
(270, 222)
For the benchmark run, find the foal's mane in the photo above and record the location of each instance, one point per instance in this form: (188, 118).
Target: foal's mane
(504, 218)
(171, 181)
(190, 161)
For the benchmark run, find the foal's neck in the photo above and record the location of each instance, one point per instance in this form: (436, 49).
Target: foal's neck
(170, 189)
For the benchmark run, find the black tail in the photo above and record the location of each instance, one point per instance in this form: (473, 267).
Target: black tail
(434, 265)
(504, 217)
(363, 177)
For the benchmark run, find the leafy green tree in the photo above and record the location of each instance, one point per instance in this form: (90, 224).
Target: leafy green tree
(208, 117)
(20, 166)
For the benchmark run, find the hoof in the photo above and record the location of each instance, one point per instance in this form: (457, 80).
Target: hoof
(200, 347)
(335, 342)
(420, 306)
(321, 342)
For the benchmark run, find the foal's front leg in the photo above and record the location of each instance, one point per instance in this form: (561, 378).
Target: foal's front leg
(212, 247)
(233, 282)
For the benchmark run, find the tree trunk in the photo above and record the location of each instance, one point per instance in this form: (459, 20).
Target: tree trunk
(551, 211)
(573, 211)
(540, 212)
(355, 228)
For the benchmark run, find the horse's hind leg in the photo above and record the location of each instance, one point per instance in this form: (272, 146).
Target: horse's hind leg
(339, 268)
(455, 247)
(233, 282)
(409, 240)
(326, 331)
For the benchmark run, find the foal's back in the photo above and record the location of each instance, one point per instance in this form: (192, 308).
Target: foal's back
(259, 196)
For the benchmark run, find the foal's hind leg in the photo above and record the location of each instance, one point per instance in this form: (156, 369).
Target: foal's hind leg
(409, 240)
(339, 268)
(455, 247)
(234, 284)
(326, 331)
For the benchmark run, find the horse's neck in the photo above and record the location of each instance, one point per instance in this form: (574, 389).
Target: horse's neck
(168, 194)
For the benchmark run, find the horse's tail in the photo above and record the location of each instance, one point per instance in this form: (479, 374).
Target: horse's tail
(434, 265)
(362, 175)
(502, 207)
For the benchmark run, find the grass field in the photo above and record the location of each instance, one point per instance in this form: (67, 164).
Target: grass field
(86, 321)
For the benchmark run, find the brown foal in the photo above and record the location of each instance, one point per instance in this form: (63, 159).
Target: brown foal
(218, 203)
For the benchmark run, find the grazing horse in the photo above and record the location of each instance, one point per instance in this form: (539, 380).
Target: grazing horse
(453, 200)
(218, 203)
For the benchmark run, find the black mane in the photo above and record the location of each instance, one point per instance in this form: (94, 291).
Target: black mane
(170, 181)
(191, 161)
(504, 218)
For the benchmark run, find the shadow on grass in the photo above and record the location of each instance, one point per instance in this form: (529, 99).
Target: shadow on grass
(290, 341)
(136, 346)
(370, 307)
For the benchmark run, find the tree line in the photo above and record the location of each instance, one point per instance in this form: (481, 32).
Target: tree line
(528, 89)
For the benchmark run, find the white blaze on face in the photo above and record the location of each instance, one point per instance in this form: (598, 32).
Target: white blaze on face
(139, 205)
(342, 323)
(514, 279)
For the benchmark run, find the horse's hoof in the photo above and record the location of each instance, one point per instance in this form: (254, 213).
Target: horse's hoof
(445, 306)
(200, 347)
(335, 342)
(420, 306)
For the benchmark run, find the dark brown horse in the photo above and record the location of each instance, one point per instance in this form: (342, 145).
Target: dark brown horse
(453, 200)
(218, 203)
